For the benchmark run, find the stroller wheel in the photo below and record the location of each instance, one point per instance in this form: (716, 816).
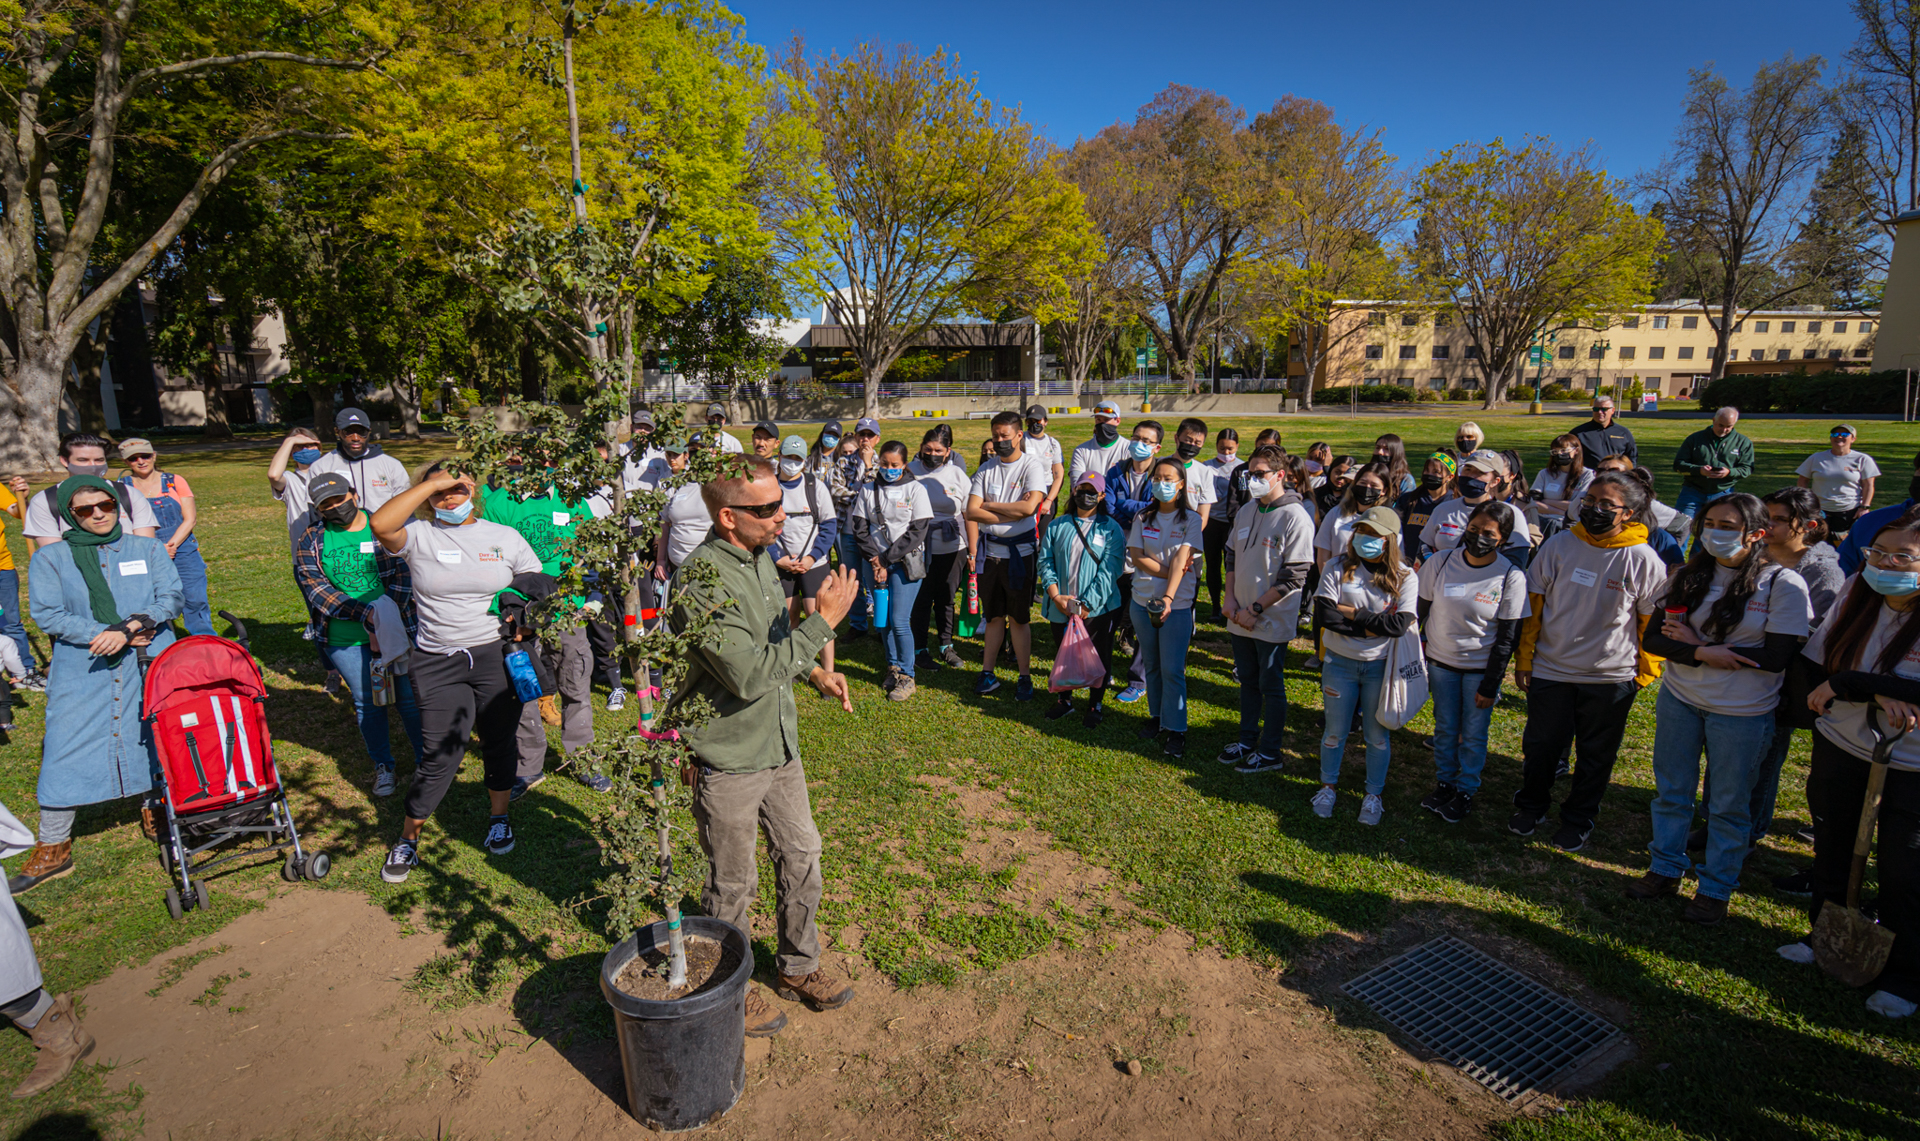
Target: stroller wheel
(202, 895)
(318, 865)
(290, 871)
(173, 903)
(166, 858)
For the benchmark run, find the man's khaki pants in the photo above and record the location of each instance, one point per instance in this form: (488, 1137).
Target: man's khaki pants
(730, 809)
(572, 668)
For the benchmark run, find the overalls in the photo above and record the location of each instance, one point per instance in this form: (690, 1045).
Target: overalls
(187, 561)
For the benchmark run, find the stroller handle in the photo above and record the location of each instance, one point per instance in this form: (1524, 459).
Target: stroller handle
(239, 628)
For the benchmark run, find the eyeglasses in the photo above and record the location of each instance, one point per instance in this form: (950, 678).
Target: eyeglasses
(759, 510)
(89, 510)
(1892, 558)
(148, 456)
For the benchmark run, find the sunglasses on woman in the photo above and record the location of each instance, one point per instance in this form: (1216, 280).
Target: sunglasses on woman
(89, 510)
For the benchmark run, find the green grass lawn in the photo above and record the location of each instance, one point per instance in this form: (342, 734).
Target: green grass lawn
(1733, 1041)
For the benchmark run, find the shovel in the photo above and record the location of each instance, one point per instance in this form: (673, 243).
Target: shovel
(1848, 945)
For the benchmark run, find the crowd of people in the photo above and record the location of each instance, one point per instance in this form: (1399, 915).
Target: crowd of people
(1427, 577)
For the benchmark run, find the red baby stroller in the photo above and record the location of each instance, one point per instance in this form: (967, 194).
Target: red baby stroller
(205, 709)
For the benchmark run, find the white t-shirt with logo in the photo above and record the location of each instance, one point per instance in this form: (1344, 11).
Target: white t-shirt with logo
(1449, 521)
(1592, 598)
(1779, 606)
(376, 477)
(1467, 604)
(892, 508)
(1094, 456)
(1846, 723)
(947, 488)
(1361, 593)
(1161, 534)
(456, 572)
(1004, 481)
(1836, 479)
(796, 538)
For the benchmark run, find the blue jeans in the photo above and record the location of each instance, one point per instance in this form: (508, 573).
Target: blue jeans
(1347, 685)
(10, 624)
(192, 568)
(851, 557)
(1734, 747)
(356, 669)
(901, 594)
(1766, 784)
(1163, 655)
(1260, 669)
(1459, 728)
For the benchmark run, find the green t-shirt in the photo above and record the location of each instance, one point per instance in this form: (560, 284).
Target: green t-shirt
(350, 564)
(546, 523)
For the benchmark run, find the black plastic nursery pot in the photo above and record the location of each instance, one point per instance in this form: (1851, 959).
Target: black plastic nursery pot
(685, 1059)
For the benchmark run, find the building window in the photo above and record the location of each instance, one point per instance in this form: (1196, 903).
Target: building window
(1407, 352)
(1833, 355)
(1685, 352)
(1408, 320)
(1437, 383)
(1660, 322)
(1656, 352)
(1861, 354)
(1713, 352)
(1652, 385)
(1376, 318)
(1626, 352)
(1839, 326)
(1442, 352)
(1814, 327)
(1762, 326)
(1689, 322)
(1473, 352)
(1783, 354)
(1630, 323)
(1593, 384)
(1757, 355)
(1786, 326)
(1809, 354)
(1595, 352)
(1373, 352)
(1443, 320)
(1294, 354)
(1566, 352)
(1865, 327)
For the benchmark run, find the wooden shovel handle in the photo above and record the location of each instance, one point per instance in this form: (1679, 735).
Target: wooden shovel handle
(1863, 839)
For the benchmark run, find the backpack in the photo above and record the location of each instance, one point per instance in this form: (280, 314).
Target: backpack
(119, 491)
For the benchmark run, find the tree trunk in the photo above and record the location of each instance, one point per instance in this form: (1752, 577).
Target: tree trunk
(323, 412)
(83, 383)
(29, 412)
(216, 400)
(406, 398)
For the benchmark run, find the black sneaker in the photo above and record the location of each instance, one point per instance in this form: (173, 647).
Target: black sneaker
(1234, 754)
(1259, 762)
(521, 785)
(1059, 709)
(1571, 837)
(1094, 715)
(924, 660)
(499, 836)
(1439, 798)
(987, 684)
(1175, 745)
(1023, 689)
(1799, 883)
(1456, 810)
(1525, 822)
(1149, 729)
(402, 858)
(598, 782)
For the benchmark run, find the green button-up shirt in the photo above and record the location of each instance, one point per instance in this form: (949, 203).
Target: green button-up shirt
(748, 672)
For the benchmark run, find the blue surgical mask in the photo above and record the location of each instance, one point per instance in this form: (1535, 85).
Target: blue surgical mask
(1369, 546)
(1142, 450)
(456, 515)
(1165, 489)
(305, 456)
(890, 474)
(1723, 544)
(828, 443)
(1891, 583)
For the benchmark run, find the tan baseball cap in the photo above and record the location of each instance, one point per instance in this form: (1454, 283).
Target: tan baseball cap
(135, 447)
(1381, 520)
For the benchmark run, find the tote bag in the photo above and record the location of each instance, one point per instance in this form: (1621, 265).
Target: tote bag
(1405, 688)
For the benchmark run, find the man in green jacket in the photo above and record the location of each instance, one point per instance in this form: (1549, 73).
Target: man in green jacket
(748, 774)
(1714, 459)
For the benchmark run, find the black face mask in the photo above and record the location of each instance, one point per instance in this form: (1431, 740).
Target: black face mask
(1433, 482)
(1473, 488)
(1382, 459)
(1003, 448)
(1086, 499)
(1187, 451)
(1479, 544)
(1463, 446)
(1366, 496)
(1106, 433)
(931, 463)
(1597, 520)
(1559, 460)
(339, 516)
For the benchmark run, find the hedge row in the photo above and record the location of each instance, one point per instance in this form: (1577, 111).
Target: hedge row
(1825, 392)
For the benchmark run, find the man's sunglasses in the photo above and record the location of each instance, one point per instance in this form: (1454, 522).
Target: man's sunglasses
(759, 510)
(89, 510)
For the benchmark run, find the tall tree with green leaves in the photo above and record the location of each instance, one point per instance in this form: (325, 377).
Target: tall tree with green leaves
(1839, 251)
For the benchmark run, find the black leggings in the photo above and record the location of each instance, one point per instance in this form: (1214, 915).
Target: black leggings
(1836, 788)
(1213, 542)
(935, 601)
(460, 693)
(1100, 629)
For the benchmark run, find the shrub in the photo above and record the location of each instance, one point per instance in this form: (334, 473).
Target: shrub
(1426, 396)
(1462, 394)
(1835, 393)
(1556, 392)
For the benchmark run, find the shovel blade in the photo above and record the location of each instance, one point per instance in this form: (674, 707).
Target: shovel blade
(1849, 946)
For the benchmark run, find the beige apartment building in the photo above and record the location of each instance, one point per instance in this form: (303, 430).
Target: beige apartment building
(1668, 348)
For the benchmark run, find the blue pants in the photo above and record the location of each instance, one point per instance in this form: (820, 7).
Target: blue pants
(192, 569)
(851, 557)
(1735, 747)
(1163, 654)
(1260, 669)
(1347, 685)
(900, 597)
(1766, 784)
(355, 664)
(10, 624)
(1459, 728)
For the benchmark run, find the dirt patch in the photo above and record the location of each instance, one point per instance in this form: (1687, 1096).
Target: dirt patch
(707, 962)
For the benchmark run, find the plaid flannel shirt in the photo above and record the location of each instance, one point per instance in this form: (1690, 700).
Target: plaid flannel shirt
(325, 601)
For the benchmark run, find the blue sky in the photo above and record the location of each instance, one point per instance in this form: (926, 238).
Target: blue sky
(1432, 75)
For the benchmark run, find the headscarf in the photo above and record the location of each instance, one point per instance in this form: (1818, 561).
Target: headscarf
(1446, 461)
(99, 595)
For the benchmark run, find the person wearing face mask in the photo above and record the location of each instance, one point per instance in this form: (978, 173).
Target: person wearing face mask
(1580, 662)
(1869, 525)
(1659, 519)
(1391, 450)
(1269, 559)
(1335, 477)
(1188, 440)
(1045, 451)
(1162, 543)
(850, 469)
(717, 429)
(1483, 477)
(642, 456)
(97, 596)
(1468, 438)
(1366, 598)
(83, 453)
(809, 535)
(460, 563)
(1221, 469)
(1733, 620)
(820, 457)
(376, 476)
(345, 574)
(1081, 558)
(1557, 491)
(1472, 600)
(287, 476)
(1319, 459)
(1417, 506)
(1002, 501)
(1866, 648)
(684, 522)
(891, 517)
(1129, 493)
(1108, 446)
(1367, 491)
(945, 477)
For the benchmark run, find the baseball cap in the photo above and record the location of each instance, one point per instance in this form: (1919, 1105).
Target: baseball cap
(767, 428)
(329, 486)
(719, 410)
(135, 447)
(1838, 430)
(351, 418)
(1092, 479)
(677, 447)
(1485, 460)
(643, 418)
(794, 446)
(832, 428)
(1036, 412)
(1381, 519)
(1107, 408)
(867, 424)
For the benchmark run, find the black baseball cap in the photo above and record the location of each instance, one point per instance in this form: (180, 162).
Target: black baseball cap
(351, 418)
(767, 428)
(1037, 412)
(329, 486)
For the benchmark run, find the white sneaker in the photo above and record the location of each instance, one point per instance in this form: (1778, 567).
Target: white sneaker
(1371, 809)
(617, 700)
(1796, 953)
(382, 781)
(1891, 1005)
(1323, 803)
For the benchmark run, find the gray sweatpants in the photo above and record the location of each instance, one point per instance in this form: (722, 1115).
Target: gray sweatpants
(572, 667)
(730, 809)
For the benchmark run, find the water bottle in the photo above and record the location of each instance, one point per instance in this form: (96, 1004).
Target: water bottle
(382, 685)
(882, 605)
(526, 683)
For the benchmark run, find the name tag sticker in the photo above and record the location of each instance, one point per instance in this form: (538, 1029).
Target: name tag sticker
(1585, 577)
(1245, 534)
(189, 720)
(366, 548)
(134, 566)
(1457, 590)
(449, 557)
(560, 518)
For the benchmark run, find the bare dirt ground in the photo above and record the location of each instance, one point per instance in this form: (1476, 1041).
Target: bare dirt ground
(302, 1026)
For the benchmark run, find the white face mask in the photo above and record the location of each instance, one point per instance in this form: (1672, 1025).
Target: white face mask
(791, 468)
(1258, 488)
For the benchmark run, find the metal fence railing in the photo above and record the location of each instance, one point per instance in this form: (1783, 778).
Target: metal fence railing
(1090, 393)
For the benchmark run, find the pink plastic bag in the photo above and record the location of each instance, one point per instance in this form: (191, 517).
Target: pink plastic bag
(1077, 665)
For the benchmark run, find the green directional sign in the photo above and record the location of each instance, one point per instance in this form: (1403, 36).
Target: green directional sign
(1536, 356)
(1140, 359)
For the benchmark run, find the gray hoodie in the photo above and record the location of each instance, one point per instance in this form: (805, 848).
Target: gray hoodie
(1820, 568)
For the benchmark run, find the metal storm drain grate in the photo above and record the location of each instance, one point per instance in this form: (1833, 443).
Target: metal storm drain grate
(1495, 1024)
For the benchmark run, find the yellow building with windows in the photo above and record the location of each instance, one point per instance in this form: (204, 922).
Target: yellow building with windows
(1668, 348)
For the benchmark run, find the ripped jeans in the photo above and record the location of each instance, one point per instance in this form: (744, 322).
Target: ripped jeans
(1347, 685)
